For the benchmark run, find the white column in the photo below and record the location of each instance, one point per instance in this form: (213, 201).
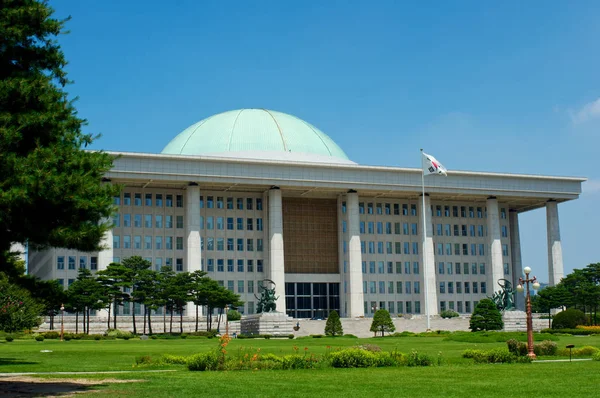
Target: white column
(105, 257)
(276, 259)
(515, 253)
(192, 228)
(495, 243)
(354, 295)
(341, 218)
(428, 261)
(555, 258)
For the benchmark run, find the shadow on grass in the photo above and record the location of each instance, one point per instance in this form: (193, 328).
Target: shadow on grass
(28, 388)
(14, 361)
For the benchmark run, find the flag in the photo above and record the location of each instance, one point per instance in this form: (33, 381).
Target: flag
(432, 166)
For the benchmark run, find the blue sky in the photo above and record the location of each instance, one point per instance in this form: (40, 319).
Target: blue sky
(487, 86)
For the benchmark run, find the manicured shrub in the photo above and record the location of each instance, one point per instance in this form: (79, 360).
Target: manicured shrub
(9, 338)
(291, 336)
(233, 315)
(417, 359)
(333, 327)
(316, 336)
(500, 355)
(382, 322)
(350, 335)
(271, 357)
(584, 351)
(51, 335)
(183, 335)
(265, 336)
(67, 337)
(449, 314)
(473, 353)
(353, 358)
(486, 317)
(569, 319)
(404, 334)
(119, 334)
(97, 337)
(39, 337)
(204, 361)
(575, 332)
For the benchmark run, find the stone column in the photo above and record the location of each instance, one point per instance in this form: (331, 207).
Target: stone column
(428, 260)
(192, 228)
(495, 243)
(555, 258)
(105, 257)
(354, 296)
(276, 258)
(515, 256)
(341, 218)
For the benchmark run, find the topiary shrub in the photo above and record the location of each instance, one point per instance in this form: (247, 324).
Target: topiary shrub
(233, 315)
(9, 338)
(569, 319)
(51, 335)
(39, 337)
(486, 317)
(382, 322)
(333, 327)
(448, 314)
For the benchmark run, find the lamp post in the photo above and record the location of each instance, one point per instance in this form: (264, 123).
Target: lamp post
(227, 320)
(62, 321)
(535, 286)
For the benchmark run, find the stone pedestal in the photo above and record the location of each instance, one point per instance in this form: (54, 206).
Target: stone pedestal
(273, 323)
(515, 321)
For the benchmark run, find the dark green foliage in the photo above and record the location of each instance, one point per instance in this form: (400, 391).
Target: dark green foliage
(316, 336)
(51, 335)
(51, 190)
(486, 317)
(516, 347)
(9, 338)
(234, 315)
(545, 348)
(575, 332)
(496, 337)
(143, 360)
(382, 322)
(333, 326)
(449, 314)
(18, 310)
(39, 337)
(203, 361)
(416, 359)
(569, 319)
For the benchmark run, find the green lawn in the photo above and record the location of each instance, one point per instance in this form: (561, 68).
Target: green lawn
(457, 378)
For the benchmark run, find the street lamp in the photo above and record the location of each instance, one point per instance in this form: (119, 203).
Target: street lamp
(535, 286)
(227, 320)
(62, 321)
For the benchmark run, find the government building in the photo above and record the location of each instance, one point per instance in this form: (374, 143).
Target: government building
(252, 195)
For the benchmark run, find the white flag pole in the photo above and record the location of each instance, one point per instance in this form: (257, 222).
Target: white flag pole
(423, 249)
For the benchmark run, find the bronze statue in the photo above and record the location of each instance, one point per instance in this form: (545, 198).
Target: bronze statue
(504, 298)
(267, 299)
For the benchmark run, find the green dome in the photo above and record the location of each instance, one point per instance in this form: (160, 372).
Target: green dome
(257, 134)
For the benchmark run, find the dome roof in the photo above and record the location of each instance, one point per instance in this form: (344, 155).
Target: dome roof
(257, 134)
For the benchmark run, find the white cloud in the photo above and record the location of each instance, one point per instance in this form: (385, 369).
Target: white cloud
(588, 112)
(591, 186)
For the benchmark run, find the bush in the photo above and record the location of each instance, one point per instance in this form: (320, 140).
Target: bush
(404, 334)
(569, 319)
(51, 335)
(203, 362)
(39, 337)
(233, 315)
(265, 336)
(119, 334)
(448, 314)
(500, 355)
(174, 359)
(574, 332)
(67, 337)
(596, 356)
(516, 347)
(350, 335)
(316, 336)
(97, 337)
(298, 362)
(382, 322)
(143, 360)
(472, 353)
(291, 336)
(584, 351)
(369, 347)
(416, 359)
(486, 317)
(353, 358)
(545, 348)
(183, 335)
(333, 327)
(9, 338)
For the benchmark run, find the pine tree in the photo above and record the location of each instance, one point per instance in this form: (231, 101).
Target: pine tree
(486, 316)
(382, 322)
(333, 327)
(51, 190)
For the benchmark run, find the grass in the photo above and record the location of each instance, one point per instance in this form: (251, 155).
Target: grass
(458, 378)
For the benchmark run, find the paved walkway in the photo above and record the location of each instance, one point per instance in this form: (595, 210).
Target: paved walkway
(563, 360)
(84, 373)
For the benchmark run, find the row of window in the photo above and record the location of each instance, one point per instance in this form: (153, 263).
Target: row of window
(158, 262)
(459, 287)
(149, 200)
(147, 221)
(409, 287)
(72, 262)
(385, 208)
(220, 223)
(386, 247)
(220, 202)
(231, 265)
(463, 211)
(381, 228)
(149, 242)
(389, 267)
(232, 244)
(459, 306)
(456, 268)
(400, 307)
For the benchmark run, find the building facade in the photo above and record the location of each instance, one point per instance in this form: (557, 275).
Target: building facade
(254, 195)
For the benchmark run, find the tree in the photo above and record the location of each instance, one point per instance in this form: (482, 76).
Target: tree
(333, 327)
(114, 280)
(51, 189)
(135, 265)
(196, 284)
(86, 294)
(486, 317)
(18, 310)
(549, 298)
(382, 322)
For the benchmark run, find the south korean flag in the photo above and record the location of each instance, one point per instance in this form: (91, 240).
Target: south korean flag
(432, 166)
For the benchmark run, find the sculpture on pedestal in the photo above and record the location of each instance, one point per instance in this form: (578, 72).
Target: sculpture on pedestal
(267, 299)
(504, 298)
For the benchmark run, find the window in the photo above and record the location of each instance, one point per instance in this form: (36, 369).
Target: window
(240, 203)
(466, 268)
(405, 228)
(390, 267)
(220, 265)
(240, 287)
(210, 224)
(179, 264)
(249, 203)
(158, 221)
(482, 268)
(447, 231)
(449, 268)
(159, 200)
(459, 287)
(480, 230)
(169, 222)
(169, 242)
(474, 268)
(381, 287)
(441, 268)
(407, 287)
(371, 267)
(380, 247)
(259, 245)
(259, 204)
(179, 243)
(240, 245)
(249, 224)
(396, 209)
(126, 241)
(379, 208)
(442, 287)
(250, 245)
(210, 244)
(413, 210)
(137, 199)
(179, 222)
(475, 288)
(505, 250)
(210, 202)
(483, 288)
(179, 200)
(467, 288)
(398, 267)
(380, 267)
(506, 269)
(210, 265)
(169, 201)
(240, 224)
(457, 268)
(116, 220)
(259, 265)
(450, 288)
(379, 228)
(415, 267)
(117, 200)
(240, 265)
(93, 263)
(219, 202)
(399, 287)
(60, 262)
(372, 287)
(481, 249)
(71, 262)
(413, 229)
(250, 266)
(148, 199)
(504, 231)
(415, 248)
(259, 224)
(417, 287)
(371, 225)
(229, 265)
(250, 286)
(148, 221)
(369, 208)
(137, 220)
(137, 242)
(116, 242)
(220, 244)
(147, 242)
(407, 267)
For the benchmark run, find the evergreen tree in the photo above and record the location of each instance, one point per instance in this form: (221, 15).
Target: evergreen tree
(333, 327)
(113, 280)
(51, 190)
(134, 280)
(382, 322)
(486, 317)
(18, 310)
